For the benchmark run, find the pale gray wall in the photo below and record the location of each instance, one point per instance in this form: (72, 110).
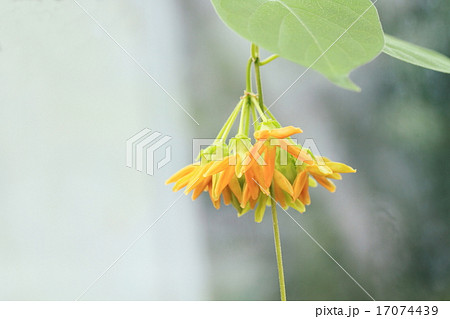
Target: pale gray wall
(69, 99)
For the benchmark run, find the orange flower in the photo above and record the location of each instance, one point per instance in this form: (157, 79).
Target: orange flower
(282, 188)
(268, 141)
(253, 185)
(253, 174)
(282, 132)
(192, 178)
(223, 174)
(322, 174)
(218, 178)
(300, 187)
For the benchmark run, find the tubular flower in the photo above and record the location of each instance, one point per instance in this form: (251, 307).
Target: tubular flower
(251, 176)
(266, 148)
(195, 179)
(272, 167)
(270, 170)
(272, 154)
(217, 177)
(322, 170)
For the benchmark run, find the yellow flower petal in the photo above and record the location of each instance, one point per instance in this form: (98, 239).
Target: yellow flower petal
(235, 187)
(340, 168)
(321, 170)
(258, 177)
(245, 195)
(283, 182)
(261, 208)
(279, 196)
(181, 173)
(269, 168)
(223, 180)
(299, 183)
(198, 177)
(252, 186)
(261, 134)
(326, 183)
(284, 132)
(335, 176)
(226, 194)
(182, 182)
(217, 167)
(300, 154)
(203, 186)
(215, 202)
(304, 195)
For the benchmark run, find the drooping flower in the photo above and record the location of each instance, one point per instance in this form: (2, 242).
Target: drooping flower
(266, 148)
(251, 176)
(214, 176)
(322, 171)
(275, 170)
(273, 154)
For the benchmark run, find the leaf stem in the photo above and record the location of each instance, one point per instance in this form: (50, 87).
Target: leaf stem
(269, 59)
(276, 235)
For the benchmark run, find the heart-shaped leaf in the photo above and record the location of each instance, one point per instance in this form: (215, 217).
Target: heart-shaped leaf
(416, 55)
(331, 36)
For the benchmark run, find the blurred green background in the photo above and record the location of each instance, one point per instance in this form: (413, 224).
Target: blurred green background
(70, 97)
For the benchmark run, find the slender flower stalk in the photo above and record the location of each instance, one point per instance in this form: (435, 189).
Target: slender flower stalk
(223, 133)
(276, 236)
(248, 78)
(258, 76)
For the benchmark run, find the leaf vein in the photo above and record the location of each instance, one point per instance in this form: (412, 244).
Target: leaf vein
(322, 51)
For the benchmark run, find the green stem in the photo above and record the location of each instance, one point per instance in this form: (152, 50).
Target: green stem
(276, 235)
(258, 63)
(269, 59)
(254, 116)
(223, 134)
(249, 75)
(248, 107)
(258, 81)
(258, 108)
(266, 110)
(243, 120)
(254, 51)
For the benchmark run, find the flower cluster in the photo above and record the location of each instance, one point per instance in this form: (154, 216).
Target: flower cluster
(254, 176)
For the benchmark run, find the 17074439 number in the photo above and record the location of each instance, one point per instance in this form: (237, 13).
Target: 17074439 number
(405, 310)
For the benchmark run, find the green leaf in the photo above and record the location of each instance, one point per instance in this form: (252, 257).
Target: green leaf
(416, 55)
(331, 36)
